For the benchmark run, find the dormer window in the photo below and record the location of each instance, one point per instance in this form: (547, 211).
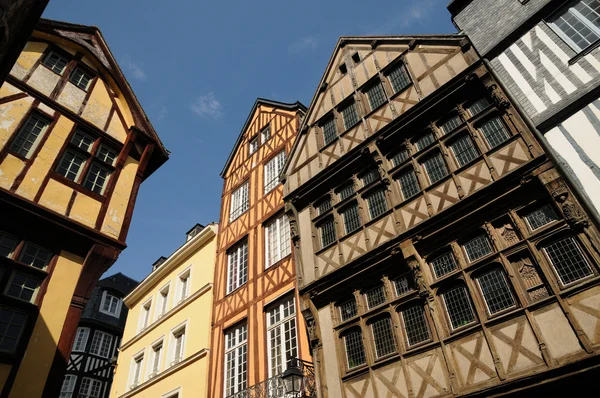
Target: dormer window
(111, 304)
(56, 63)
(253, 145)
(265, 134)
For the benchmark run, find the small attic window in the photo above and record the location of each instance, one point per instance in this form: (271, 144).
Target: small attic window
(356, 57)
(343, 69)
(194, 231)
(158, 262)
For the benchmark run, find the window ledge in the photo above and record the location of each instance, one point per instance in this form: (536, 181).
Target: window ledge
(76, 186)
(276, 264)
(584, 52)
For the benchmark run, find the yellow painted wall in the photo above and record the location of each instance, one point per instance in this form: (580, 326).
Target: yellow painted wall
(98, 106)
(31, 53)
(48, 327)
(85, 210)
(113, 221)
(196, 312)
(10, 168)
(11, 114)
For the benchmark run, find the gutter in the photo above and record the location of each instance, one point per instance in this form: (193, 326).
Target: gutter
(581, 196)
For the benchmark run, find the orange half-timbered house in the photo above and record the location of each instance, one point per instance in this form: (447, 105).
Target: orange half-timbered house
(75, 145)
(257, 325)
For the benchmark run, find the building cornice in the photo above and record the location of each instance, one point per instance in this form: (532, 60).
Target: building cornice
(174, 260)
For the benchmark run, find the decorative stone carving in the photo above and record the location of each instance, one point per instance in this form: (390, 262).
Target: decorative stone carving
(311, 327)
(573, 214)
(508, 234)
(420, 283)
(498, 97)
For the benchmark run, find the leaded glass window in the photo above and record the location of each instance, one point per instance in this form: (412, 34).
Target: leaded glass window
(346, 192)
(327, 230)
(351, 218)
(415, 325)
(399, 157)
(349, 115)
(376, 96)
(329, 131)
(495, 291)
(458, 306)
(567, 260)
(424, 141)
(399, 78)
(540, 217)
(355, 351)
(404, 284)
(409, 185)
(464, 150)
(348, 309)
(478, 247)
(377, 204)
(443, 264)
(375, 296)
(478, 106)
(383, 336)
(494, 132)
(435, 168)
(450, 124)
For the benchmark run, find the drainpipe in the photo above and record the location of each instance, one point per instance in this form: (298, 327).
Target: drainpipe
(582, 196)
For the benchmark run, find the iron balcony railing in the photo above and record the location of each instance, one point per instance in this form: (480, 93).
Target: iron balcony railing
(274, 387)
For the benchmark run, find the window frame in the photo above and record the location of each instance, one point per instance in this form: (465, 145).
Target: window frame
(117, 312)
(92, 384)
(85, 72)
(244, 191)
(103, 337)
(280, 325)
(239, 349)
(380, 317)
(76, 343)
(241, 250)
(162, 300)
(67, 390)
(144, 317)
(405, 329)
(27, 275)
(471, 307)
(283, 244)
(343, 336)
(185, 275)
(21, 331)
(496, 268)
(275, 166)
(60, 55)
(580, 251)
(563, 9)
(177, 332)
(22, 134)
(133, 380)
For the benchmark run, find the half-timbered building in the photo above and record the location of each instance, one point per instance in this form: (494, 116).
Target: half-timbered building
(546, 54)
(94, 353)
(257, 325)
(439, 251)
(75, 145)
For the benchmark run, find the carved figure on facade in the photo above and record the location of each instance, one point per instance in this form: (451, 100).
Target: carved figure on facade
(498, 97)
(573, 214)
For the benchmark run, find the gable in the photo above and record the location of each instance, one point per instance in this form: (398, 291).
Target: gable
(357, 64)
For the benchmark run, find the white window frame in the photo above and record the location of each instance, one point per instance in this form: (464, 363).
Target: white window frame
(182, 328)
(138, 357)
(145, 312)
(265, 133)
(282, 240)
(162, 301)
(86, 394)
(237, 196)
(187, 276)
(81, 347)
(237, 351)
(271, 171)
(27, 275)
(583, 20)
(253, 145)
(22, 132)
(151, 371)
(238, 250)
(105, 297)
(104, 336)
(174, 393)
(70, 390)
(281, 327)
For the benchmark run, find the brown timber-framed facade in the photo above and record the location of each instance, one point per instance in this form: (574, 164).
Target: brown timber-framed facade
(439, 251)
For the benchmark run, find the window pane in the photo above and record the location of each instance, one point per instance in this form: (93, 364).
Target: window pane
(494, 132)
(81, 339)
(101, 344)
(329, 131)
(239, 202)
(477, 106)
(346, 192)
(277, 234)
(7, 245)
(327, 233)
(355, 352)
(80, 78)
(82, 140)
(237, 259)
(409, 184)
(324, 206)
(399, 157)
(23, 286)
(348, 310)
(370, 176)
(272, 169)
(96, 179)
(450, 124)
(495, 291)
(415, 325)
(281, 331)
(68, 386)
(70, 165)
(478, 247)
(35, 256)
(375, 297)
(424, 141)
(265, 134)
(349, 115)
(579, 23)
(253, 145)
(435, 168)
(399, 78)
(459, 307)
(11, 327)
(383, 336)
(568, 261)
(376, 96)
(55, 62)
(464, 150)
(443, 264)
(30, 135)
(404, 284)
(351, 218)
(540, 217)
(377, 204)
(235, 359)
(107, 155)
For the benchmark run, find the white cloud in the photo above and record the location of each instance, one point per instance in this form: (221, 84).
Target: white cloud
(162, 114)
(307, 43)
(207, 106)
(136, 71)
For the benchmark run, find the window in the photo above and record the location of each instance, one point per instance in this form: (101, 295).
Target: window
(324, 206)
(443, 264)
(377, 204)
(70, 165)
(68, 386)
(399, 78)
(450, 124)
(90, 388)
(495, 291)
(399, 157)
(277, 240)
(157, 350)
(107, 155)
(136, 370)
(464, 150)
(178, 344)
(96, 178)
(348, 310)
(404, 284)
(369, 177)
(346, 192)
(281, 333)
(477, 106)
(415, 325)
(81, 339)
(265, 134)
(349, 115)
(327, 231)
(567, 260)
(376, 95)
(23, 287)
(383, 337)
(578, 23)
(239, 202)
(272, 169)
(435, 168)
(424, 141)
(237, 270)
(540, 217)
(494, 132)
(11, 326)
(163, 301)
(145, 316)
(458, 307)
(29, 136)
(355, 352)
(101, 344)
(110, 304)
(80, 78)
(55, 62)
(351, 218)
(184, 285)
(82, 141)
(375, 296)
(236, 366)
(329, 131)
(7, 245)
(35, 256)
(478, 247)
(253, 145)
(409, 186)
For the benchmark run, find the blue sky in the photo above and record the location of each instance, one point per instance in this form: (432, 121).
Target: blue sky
(197, 68)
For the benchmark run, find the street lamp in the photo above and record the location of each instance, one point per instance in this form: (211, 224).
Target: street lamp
(292, 379)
